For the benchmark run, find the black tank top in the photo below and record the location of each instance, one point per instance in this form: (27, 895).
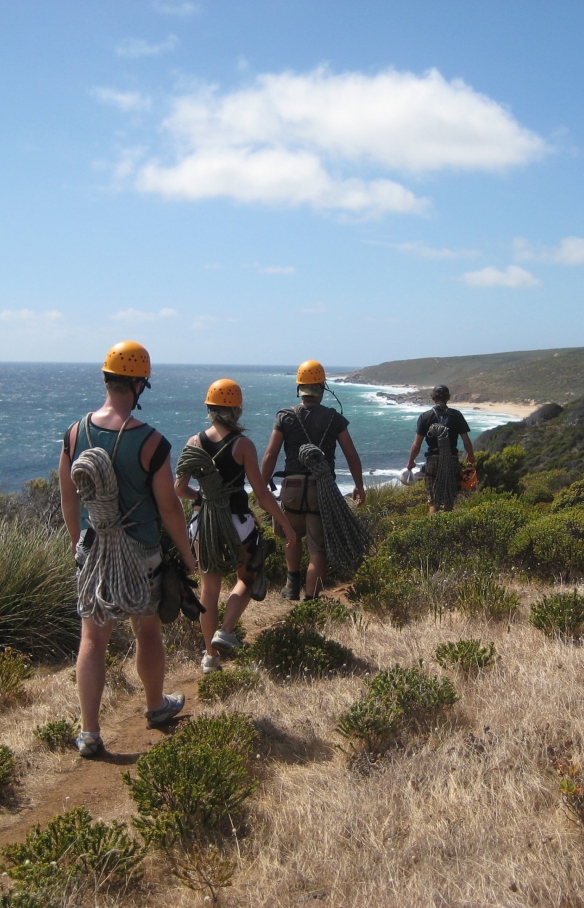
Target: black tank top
(230, 470)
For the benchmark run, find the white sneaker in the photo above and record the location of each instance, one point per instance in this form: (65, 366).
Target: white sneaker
(210, 664)
(226, 643)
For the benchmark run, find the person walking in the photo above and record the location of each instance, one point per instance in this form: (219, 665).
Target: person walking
(441, 427)
(120, 469)
(223, 527)
(322, 426)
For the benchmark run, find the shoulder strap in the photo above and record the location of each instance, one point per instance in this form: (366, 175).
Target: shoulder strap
(310, 441)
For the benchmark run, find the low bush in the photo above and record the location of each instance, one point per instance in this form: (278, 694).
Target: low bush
(287, 649)
(570, 498)
(481, 595)
(316, 613)
(560, 614)
(398, 699)
(37, 591)
(553, 545)
(70, 854)
(538, 494)
(222, 685)
(7, 765)
(204, 869)
(195, 781)
(14, 668)
(388, 502)
(501, 471)
(57, 735)
(467, 655)
(381, 587)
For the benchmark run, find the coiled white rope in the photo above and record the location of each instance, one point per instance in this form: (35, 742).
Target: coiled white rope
(346, 540)
(113, 583)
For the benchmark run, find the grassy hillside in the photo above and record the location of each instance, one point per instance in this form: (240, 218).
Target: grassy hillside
(539, 375)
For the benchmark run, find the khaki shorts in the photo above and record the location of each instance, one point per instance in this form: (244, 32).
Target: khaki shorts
(431, 472)
(298, 494)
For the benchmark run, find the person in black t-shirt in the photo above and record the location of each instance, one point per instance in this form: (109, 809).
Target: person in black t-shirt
(322, 426)
(457, 427)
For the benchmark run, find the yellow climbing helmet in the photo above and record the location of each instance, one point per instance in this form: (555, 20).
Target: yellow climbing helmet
(310, 372)
(224, 393)
(128, 358)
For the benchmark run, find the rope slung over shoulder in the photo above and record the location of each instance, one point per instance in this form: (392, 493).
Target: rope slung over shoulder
(446, 485)
(346, 539)
(112, 583)
(219, 545)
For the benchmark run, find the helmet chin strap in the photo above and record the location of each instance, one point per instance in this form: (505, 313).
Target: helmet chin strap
(137, 394)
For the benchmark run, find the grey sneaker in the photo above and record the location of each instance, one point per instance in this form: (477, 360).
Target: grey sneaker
(225, 643)
(210, 664)
(88, 743)
(172, 705)
(292, 589)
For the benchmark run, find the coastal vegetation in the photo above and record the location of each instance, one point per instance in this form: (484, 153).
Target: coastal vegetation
(415, 737)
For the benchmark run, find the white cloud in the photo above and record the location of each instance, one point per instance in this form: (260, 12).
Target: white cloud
(27, 316)
(569, 251)
(203, 322)
(271, 269)
(317, 309)
(513, 276)
(126, 101)
(137, 316)
(330, 140)
(428, 252)
(133, 48)
(213, 266)
(176, 9)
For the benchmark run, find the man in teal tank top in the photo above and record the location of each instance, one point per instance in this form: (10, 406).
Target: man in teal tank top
(140, 457)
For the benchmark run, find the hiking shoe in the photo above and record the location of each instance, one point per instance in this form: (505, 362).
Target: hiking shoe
(264, 548)
(210, 664)
(225, 643)
(292, 589)
(173, 703)
(88, 743)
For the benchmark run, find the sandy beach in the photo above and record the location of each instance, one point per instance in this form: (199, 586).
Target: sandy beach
(519, 411)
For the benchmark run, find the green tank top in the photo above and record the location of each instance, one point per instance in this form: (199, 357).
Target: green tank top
(134, 482)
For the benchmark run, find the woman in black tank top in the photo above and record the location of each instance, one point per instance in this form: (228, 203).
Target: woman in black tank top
(235, 457)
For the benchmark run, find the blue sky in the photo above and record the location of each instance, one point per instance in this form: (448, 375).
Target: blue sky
(270, 181)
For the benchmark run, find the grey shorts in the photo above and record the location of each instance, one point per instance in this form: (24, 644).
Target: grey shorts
(299, 501)
(150, 559)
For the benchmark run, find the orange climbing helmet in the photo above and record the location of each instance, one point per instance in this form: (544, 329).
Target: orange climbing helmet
(128, 359)
(224, 393)
(310, 372)
(468, 478)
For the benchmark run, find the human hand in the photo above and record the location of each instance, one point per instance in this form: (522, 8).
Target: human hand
(291, 537)
(359, 495)
(189, 563)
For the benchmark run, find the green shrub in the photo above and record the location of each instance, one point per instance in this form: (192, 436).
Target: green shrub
(57, 735)
(195, 781)
(538, 494)
(468, 655)
(37, 591)
(316, 613)
(501, 471)
(68, 854)
(570, 498)
(7, 765)
(382, 587)
(398, 699)
(553, 545)
(14, 668)
(222, 685)
(387, 504)
(560, 614)
(481, 595)
(288, 649)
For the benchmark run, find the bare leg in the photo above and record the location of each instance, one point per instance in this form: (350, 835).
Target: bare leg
(315, 575)
(294, 555)
(239, 598)
(210, 591)
(150, 658)
(90, 671)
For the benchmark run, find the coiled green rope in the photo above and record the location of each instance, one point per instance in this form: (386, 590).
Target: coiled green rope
(219, 545)
(446, 483)
(346, 540)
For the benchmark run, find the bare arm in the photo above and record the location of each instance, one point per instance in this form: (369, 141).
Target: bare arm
(415, 450)
(354, 463)
(181, 485)
(171, 513)
(468, 448)
(249, 458)
(271, 455)
(70, 503)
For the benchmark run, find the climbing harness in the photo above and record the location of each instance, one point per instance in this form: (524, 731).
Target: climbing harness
(112, 583)
(219, 546)
(446, 482)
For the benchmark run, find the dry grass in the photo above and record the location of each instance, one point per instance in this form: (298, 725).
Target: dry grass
(469, 815)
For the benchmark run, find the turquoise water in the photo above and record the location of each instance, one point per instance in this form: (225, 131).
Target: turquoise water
(39, 401)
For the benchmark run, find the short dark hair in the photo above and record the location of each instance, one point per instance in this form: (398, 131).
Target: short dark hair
(440, 392)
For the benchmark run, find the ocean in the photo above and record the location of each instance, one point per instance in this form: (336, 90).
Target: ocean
(38, 401)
